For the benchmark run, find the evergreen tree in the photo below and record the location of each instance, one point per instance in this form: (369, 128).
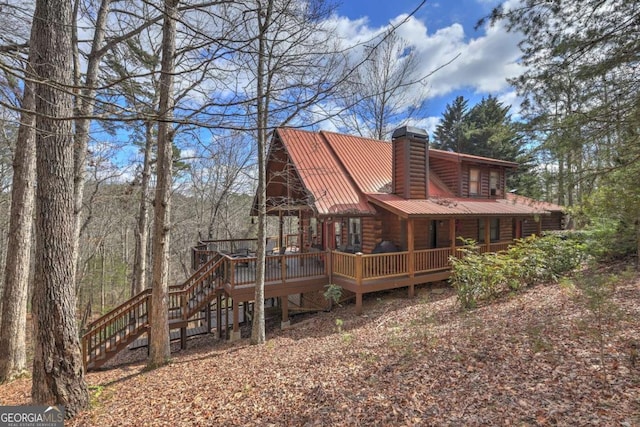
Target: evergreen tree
(450, 132)
(487, 130)
(581, 95)
(490, 131)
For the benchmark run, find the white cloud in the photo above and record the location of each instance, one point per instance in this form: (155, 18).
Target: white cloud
(481, 64)
(511, 98)
(427, 123)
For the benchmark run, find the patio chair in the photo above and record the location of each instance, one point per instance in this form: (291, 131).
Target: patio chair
(271, 244)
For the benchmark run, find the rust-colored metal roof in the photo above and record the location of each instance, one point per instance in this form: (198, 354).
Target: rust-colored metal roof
(369, 162)
(450, 155)
(448, 206)
(322, 174)
(516, 198)
(350, 175)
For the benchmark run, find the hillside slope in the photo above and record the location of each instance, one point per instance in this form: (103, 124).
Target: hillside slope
(542, 357)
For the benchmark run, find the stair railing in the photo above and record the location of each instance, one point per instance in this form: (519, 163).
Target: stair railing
(130, 319)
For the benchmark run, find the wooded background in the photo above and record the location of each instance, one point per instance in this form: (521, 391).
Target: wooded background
(176, 103)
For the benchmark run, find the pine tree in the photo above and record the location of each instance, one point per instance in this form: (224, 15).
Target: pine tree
(450, 132)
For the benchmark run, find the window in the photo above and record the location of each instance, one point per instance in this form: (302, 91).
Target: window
(494, 179)
(494, 230)
(338, 234)
(355, 238)
(474, 182)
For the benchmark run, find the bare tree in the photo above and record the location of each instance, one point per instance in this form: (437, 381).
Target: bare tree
(139, 282)
(159, 351)
(388, 88)
(16, 275)
(13, 301)
(84, 108)
(58, 374)
(291, 63)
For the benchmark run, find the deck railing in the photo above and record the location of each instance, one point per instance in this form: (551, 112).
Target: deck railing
(230, 246)
(376, 266)
(431, 260)
(116, 329)
(240, 270)
(499, 247)
(343, 264)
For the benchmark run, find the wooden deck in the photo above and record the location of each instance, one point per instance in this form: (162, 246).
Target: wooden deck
(231, 278)
(295, 273)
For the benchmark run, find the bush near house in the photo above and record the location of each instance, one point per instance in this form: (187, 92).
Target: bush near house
(479, 277)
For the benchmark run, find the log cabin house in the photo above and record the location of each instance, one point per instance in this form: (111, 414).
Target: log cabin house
(367, 197)
(372, 215)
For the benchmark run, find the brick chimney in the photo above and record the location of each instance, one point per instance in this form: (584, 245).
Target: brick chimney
(410, 162)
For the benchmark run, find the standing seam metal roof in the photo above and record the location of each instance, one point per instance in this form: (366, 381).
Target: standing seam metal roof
(322, 174)
(350, 174)
(447, 206)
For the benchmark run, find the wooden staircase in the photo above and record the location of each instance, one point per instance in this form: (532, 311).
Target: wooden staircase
(106, 336)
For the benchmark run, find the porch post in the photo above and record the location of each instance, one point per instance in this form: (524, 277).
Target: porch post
(235, 334)
(452, 235)
(539, 225)
(358, 266)
(300, 231)
(286, 323)
(411, 248)
(487, 233)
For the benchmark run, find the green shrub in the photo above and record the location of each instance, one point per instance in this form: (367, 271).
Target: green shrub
(478, 277)
(333, 293)
(609, 240)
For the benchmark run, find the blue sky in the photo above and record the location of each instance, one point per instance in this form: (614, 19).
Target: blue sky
(439, 31)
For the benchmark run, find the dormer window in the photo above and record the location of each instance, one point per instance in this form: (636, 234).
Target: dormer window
(494, 179)
(474, 181)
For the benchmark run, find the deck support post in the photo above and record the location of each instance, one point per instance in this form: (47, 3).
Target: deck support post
(280, 230)
(286, 323)
(411, 249)
(219, 316)
(328, 267)
(227, 332)
(235, 334)
(207, 317)
(183, 338)
(359, 273)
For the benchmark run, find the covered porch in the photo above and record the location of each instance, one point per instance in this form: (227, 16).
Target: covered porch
(303, 275)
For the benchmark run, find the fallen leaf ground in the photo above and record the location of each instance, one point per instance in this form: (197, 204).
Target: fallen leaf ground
(541, 357)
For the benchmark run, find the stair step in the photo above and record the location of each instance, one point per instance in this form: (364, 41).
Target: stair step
(204, 292)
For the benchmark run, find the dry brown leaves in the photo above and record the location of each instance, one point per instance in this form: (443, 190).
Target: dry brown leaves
(536, 358)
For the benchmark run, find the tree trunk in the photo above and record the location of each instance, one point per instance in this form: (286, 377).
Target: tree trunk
(85, 105)
(58, 374)
(159, 351)
(103, 277)
(16, 275)
(140, 262)
(258, 335)
(638, 244)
